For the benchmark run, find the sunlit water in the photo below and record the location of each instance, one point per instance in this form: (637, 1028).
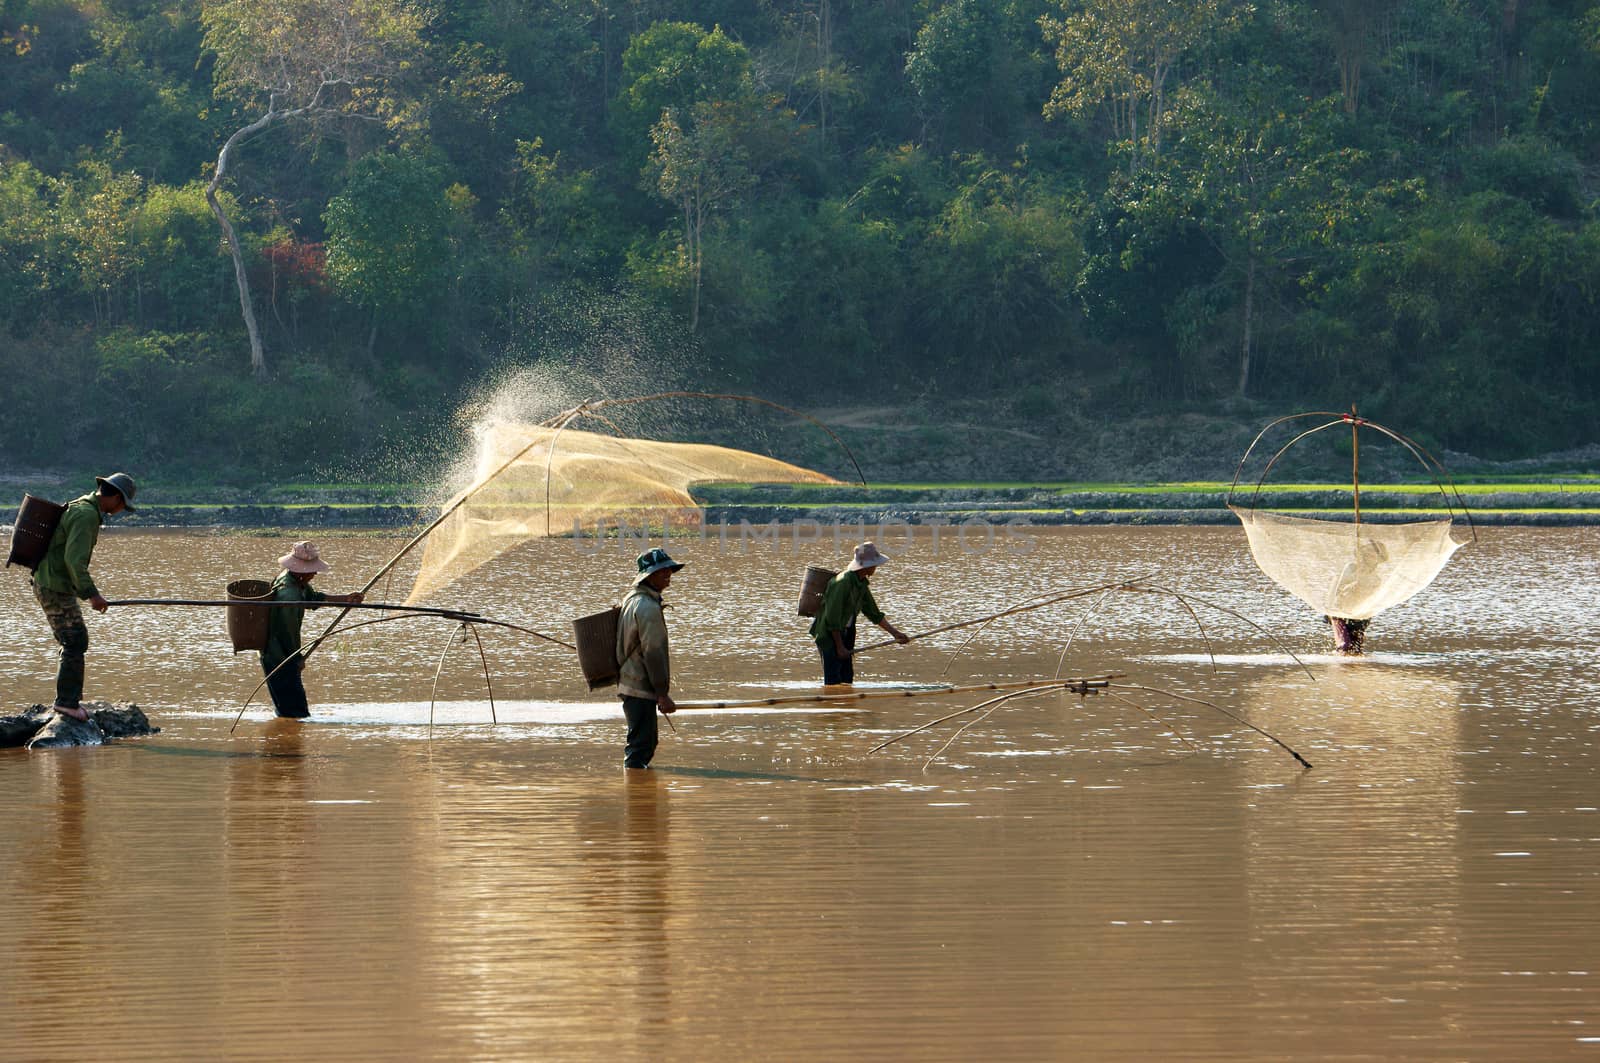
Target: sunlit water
(1097, 879)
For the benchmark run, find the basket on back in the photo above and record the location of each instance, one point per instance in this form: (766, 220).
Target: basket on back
(247, 624)
(31, 533)
(596, 639)
(816, 581)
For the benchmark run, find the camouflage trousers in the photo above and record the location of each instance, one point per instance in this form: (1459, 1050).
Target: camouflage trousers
(66, 624)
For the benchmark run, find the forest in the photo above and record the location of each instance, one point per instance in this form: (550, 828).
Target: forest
(246, 237)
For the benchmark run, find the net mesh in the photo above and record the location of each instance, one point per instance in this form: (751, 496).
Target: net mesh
(592, 480)
(1344, 569)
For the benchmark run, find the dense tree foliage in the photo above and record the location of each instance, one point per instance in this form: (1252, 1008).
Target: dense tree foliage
(1049, 204)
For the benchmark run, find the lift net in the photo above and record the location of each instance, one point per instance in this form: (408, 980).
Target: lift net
(592, 480)
(1344, 569)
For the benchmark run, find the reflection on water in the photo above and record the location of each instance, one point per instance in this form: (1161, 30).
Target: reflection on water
(1378, 929)
(1074, 879)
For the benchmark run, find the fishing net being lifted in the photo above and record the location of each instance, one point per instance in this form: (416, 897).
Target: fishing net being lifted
(1349, 569)
(538, 480)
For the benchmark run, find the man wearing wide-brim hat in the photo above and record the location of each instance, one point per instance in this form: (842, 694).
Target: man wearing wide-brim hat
(847, 595)
(62, 580)
(645, 678)
(300, 566)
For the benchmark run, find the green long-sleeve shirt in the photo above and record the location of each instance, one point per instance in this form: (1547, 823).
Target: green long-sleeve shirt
(845, 595)
(283, 625)
(65, 568)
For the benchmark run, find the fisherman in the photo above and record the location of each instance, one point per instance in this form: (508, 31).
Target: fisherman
(834, 629)
(62, 578)
(300, 567)
(646, 671)
(1349, 636)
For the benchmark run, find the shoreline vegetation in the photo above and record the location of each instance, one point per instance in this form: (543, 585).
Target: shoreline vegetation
(977, 240)
(1542, 501)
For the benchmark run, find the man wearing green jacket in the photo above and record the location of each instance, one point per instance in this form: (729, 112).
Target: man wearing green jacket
(62, 580)
(834, 630)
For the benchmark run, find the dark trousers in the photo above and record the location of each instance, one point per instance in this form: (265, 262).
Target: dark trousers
(836, 669)
(287, 690)
(65, 617)
(642, 732)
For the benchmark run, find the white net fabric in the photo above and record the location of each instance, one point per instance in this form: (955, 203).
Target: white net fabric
(593, 479)
(1344, 569)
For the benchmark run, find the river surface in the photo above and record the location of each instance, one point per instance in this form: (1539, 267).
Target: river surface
(1139, 877)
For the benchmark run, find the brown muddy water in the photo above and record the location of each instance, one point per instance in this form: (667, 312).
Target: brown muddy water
(1071, 881)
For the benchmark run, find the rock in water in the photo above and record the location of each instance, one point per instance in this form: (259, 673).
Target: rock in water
(16, 730)
(40, 728)
(120, 721)
(61, 732)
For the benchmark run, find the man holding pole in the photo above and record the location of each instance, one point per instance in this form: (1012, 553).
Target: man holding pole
(834, 629)
(645, 675)
(62, 579)
(300, 565)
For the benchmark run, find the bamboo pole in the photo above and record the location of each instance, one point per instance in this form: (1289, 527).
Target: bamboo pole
(1232, 716)
(1435, 469)
(996, 704)
(999, 703)
(1024, 608)
(450, 614)
(1088, 683)
(549, 459)
(1355, 460)
(1183, 597)
(1038, 689)
(959, 650)
(1114, 696)
(1035, 687)
(1094, 607)
(434, 696)
(484, 657)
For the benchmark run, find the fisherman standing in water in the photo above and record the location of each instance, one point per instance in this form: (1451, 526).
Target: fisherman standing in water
(646, 671)
(834, 629)
(300, 567)
(62, 578)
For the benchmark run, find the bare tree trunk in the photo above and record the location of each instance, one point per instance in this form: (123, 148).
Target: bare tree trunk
(258, 357)
(1158, 77)
(1350, 79)
(1133, 136)
(696, 256)
(1351, 30)
(825, 50)
(1249, 316)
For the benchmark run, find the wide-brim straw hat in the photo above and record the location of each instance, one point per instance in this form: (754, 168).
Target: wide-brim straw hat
(653, 561)
(304, 559)
(122, 484)
(867, 556)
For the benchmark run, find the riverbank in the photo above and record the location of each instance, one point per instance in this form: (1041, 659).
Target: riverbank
(1500, 502)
